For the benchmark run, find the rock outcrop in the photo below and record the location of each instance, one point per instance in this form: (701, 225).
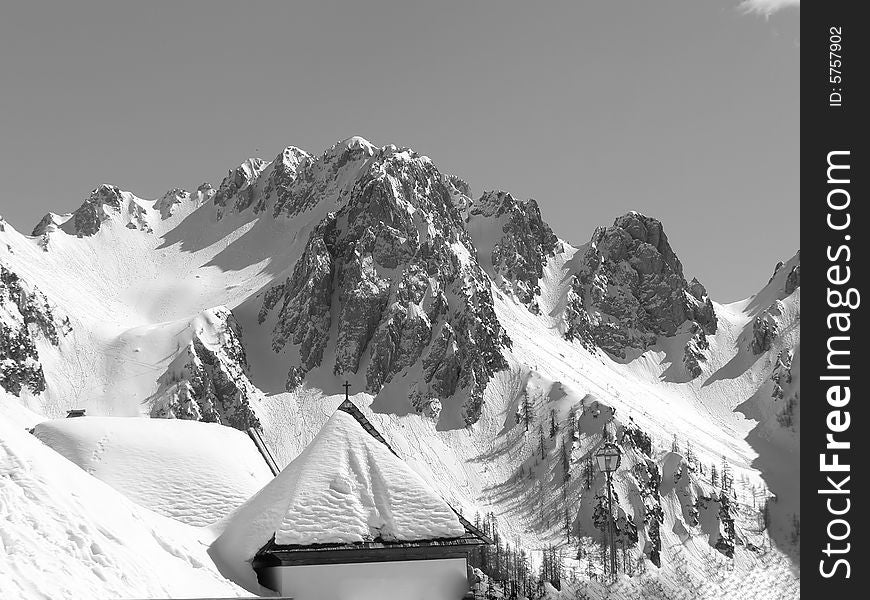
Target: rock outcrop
(208, 380)
(24, 314)
(47, 224)
(86, 220)
(284, 172)
(723, 517)
(781, 375)
(236, 190)
(306, 299)
(521, 246)
(695, 350)
(174, 199)
(764, 332)
(628, 289)
(331, 177)
(460, 193)
(648, 479)
(793, 280)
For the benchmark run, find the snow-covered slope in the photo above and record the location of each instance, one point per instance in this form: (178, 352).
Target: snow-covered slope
(65, 534)
(196, 473)
(253, 302)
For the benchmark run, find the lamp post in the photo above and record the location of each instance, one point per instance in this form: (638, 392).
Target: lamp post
(608, 458)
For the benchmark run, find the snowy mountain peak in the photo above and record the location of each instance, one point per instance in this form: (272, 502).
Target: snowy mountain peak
(394, 266)
(628, 289)
(236, 191)
(353, 143)
(106, 202)
(292, 157)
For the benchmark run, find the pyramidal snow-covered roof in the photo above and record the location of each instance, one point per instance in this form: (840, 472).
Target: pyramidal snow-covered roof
(346, 487)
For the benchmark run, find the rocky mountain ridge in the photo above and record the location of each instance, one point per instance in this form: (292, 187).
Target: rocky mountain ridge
(249, 303)
(397, 277)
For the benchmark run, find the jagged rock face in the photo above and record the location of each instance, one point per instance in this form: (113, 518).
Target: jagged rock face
(91, 214)
(399, 265)
(648, 479)
(236, 189)
(208, 381)
(776, 269)
(578, 324)
(793, 280)
(521, 252)
(781, 375)
(24, 313)
(306, 298)
(138, 218)
(629, 289)
(764, 332)
(171, 200)
(330, 176)
(460, 193)
(722, 505)
(285, 169)
(694, 353)
(47, 224)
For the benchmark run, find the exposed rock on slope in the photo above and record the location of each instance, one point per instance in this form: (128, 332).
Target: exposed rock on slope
(208, 380)
(460, 193)
(628, 289)
(764, 331)
(175, 198)
(306, 297)
(24, 314)
(694, 353)
(331, 176)
(793, 279)
(87, 219)
(522, 242)
(236, 190)
(284, 171)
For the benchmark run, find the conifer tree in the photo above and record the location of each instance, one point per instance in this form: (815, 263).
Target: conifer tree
(566, 463)
(527, 410)
(588, 473)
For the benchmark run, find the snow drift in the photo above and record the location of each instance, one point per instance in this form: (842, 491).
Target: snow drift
(67, 535)
(194, 472)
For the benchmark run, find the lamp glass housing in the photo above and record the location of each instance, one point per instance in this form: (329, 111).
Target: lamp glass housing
(608, 457)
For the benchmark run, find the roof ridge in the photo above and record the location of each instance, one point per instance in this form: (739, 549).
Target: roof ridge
(353, 410)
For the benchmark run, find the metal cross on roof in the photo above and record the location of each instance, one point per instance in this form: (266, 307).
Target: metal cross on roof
(346, 390)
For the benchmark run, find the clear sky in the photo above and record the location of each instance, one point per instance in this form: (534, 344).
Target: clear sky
(686, 110)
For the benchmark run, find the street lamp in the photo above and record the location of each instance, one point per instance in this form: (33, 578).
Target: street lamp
(608, 458)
